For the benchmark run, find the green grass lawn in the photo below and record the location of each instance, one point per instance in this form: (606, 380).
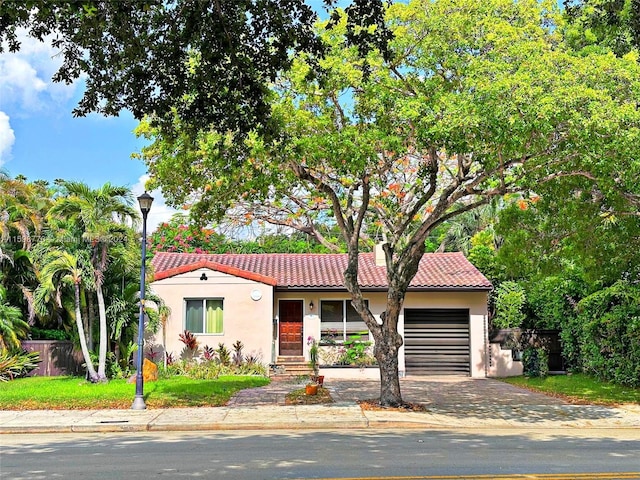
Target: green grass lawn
(36, 393)
(579, 388)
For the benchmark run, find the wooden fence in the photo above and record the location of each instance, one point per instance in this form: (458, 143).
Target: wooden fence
(57, 357)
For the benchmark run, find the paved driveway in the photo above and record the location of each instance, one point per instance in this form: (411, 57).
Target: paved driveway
(458, 401)
(429, 391)
(445, 390)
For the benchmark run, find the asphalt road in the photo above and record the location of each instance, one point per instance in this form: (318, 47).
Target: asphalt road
(380, 454)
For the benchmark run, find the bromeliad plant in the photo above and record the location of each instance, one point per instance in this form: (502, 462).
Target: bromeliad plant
(209, 353)
(212, 362)
(191, 344)
(224, 356)
(237, 352)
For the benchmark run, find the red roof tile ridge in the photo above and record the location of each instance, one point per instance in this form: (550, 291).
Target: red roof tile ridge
(218, 267)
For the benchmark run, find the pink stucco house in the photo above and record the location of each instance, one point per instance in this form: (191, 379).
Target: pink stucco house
(274, 302)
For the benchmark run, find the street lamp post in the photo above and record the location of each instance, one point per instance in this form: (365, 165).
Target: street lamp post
(145, 200)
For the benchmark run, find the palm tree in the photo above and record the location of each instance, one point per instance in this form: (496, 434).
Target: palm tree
(56, 307)
(125, 307)
(12, 328)
(101, 215)
(19, 210)
(462, 228)
(62, 267)
(22, 209)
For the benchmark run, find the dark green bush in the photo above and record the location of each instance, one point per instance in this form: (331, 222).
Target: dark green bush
(48, 334)
(535, 362)
(608, 331)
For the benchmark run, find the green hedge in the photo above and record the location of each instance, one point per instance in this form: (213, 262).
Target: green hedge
(535, 362)
(607, 333)
(48, 334)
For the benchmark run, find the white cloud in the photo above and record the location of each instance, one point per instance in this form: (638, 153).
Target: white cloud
(160, 211)
(25, 78)
(7, 137)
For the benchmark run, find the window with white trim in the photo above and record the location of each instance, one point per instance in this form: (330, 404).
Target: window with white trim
(203, 315)
(339, 321)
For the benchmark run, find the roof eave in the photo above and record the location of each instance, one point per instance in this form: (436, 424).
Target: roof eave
(284, 288)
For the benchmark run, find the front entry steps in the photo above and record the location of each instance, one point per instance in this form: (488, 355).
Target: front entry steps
(289, 368)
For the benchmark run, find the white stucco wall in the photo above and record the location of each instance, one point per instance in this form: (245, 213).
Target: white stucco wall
(502, 363)
(250, 321)
(244, 319)
(476, 302)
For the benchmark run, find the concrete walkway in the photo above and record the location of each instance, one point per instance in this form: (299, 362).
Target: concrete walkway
(451, 402)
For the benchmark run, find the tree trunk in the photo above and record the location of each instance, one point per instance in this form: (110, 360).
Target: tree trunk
(102, 352)
(386, 353)
(387, 344)
(93, 376)
(400, 271)
(86, 317)
(92, 316)
(386, 337)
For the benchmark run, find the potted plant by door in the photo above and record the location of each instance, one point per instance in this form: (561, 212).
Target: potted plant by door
(316, 380)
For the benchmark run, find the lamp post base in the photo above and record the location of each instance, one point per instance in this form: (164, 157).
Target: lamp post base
(138, 403)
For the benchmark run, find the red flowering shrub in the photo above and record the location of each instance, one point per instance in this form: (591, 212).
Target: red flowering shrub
(175, 236)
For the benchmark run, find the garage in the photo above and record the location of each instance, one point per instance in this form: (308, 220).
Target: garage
(437, 341)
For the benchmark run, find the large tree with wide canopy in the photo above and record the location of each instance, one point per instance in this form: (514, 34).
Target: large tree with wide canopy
(472, 101)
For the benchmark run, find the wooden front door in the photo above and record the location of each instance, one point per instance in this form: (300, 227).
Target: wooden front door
(290, 331)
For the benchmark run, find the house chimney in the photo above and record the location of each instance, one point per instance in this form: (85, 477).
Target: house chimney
(378, 254)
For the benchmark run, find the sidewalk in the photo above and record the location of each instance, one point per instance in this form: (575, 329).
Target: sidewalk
(450, 403)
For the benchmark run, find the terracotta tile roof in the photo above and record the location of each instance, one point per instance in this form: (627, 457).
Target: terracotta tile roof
(447, 271)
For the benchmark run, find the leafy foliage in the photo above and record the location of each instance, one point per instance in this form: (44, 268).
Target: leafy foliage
(471, 101)
(132, 53)
(535, 361)
(356, 352)
(238, 357)
(599, 24)
(552, 300)
(483, 254)
(48, 334)
(17, 364)
(191, 345)
(209, 353)
(608, 326)
(13, 328)
(212, 369)
(510, 300)
(314, 358)
(224, 355)
(211, 363)
(182, 235)
(175, 236)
